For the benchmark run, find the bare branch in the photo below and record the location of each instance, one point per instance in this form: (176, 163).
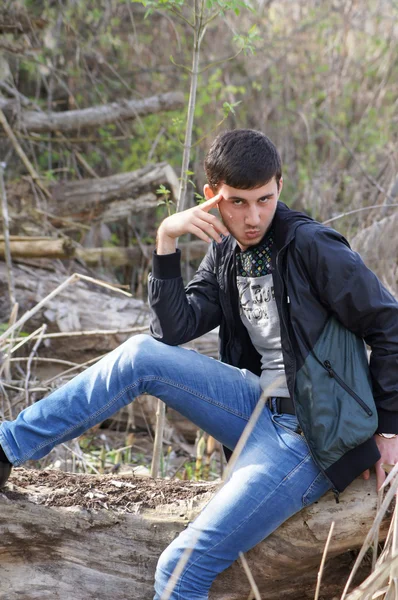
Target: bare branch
(356, 210)
(7, 252)
(325, 552)
(97, 116)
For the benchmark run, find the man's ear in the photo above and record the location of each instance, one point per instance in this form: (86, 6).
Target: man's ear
(208, 192)
(280, 186)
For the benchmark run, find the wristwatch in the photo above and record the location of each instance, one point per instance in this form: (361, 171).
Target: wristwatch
(388, 436)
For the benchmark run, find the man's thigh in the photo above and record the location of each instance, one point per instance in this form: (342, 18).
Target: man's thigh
(217, 397)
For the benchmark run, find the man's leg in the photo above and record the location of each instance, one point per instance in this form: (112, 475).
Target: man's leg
(275, 468)
(274, 478)
(216, 397)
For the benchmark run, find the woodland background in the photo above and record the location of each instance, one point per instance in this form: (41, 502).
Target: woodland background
(94, 104)
(319, 78)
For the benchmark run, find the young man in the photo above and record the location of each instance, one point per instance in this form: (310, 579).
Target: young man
(294, 305)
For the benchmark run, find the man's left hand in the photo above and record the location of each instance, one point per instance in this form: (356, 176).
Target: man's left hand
(388, 448)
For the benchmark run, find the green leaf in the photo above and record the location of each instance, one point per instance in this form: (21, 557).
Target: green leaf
(200, 199)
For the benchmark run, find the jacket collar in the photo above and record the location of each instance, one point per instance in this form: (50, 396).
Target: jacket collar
(285, 223)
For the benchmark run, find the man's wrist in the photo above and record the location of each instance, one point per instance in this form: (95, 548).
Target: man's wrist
(167, 266)
(164, 243)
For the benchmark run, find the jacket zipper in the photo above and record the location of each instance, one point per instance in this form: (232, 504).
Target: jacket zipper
(226, 305)
(335, 491)
(327, 365)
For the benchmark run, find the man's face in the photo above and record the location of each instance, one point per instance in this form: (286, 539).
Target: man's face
(247, 214)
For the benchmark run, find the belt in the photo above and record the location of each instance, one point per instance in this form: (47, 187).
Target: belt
(285, 405)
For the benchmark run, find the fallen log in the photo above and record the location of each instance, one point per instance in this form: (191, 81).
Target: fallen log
(79, 307)
(84, 536)
(123, 209)
(94, 116)
(111, 256)
(91, 197)
(39, 247)
(106, 199)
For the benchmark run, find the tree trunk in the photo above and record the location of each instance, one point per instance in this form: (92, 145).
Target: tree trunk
(86, 536)
(93, 117)
(113, 256)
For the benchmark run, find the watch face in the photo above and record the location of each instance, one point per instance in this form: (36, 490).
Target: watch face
(388, 435)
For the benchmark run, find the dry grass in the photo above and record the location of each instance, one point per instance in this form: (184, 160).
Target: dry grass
(378, 246)
(382, 582)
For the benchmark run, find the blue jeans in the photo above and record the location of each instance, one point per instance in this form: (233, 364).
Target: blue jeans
(274, 477)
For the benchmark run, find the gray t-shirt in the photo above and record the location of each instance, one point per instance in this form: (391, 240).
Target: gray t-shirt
(260, 316)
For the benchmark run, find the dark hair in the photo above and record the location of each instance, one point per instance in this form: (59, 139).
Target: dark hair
(242, 158)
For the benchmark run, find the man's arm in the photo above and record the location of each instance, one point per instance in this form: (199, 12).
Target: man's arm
(180, 315)
(359, 300)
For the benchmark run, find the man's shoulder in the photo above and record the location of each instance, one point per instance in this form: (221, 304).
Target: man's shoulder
(315, 233)
(304, 228)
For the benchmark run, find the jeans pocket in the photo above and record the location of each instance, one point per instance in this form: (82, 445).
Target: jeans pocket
(288, 432)
(288, 422)
(318, 487)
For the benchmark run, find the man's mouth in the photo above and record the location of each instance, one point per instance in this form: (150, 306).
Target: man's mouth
(252, 233)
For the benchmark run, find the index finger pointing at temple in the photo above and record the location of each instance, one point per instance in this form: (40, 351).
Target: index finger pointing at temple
(211, 203)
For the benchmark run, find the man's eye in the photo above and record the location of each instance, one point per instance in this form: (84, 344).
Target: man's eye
(237, 202)
(264, 200)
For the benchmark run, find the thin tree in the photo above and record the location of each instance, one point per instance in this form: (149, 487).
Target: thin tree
(198, 15)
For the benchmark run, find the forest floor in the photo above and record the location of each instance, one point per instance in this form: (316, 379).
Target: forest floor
(128, 493)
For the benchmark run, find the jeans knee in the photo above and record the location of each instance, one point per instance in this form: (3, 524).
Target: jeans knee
(138, 346)
(141, 341)
(193, 581)
(164, 571)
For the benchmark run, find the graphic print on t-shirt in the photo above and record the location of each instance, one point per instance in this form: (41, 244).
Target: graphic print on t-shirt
(259, 314)
(255, 299)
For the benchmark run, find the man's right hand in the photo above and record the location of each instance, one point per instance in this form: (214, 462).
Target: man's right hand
(196, 220)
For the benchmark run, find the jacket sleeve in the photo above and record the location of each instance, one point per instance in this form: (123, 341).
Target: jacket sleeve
(181, 314)
(355, 295)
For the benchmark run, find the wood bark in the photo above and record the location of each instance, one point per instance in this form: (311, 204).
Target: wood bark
(91, 197)
(113, 256)
(92, 117)
(108, 548)
(39, 248)
(80, 307)
(123, 209)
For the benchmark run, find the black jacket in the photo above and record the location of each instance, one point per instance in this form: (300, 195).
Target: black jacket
(329, 304)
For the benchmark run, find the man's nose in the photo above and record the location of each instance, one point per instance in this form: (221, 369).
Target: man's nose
(253, 216)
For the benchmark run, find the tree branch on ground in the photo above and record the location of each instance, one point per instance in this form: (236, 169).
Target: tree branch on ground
(95, 116)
